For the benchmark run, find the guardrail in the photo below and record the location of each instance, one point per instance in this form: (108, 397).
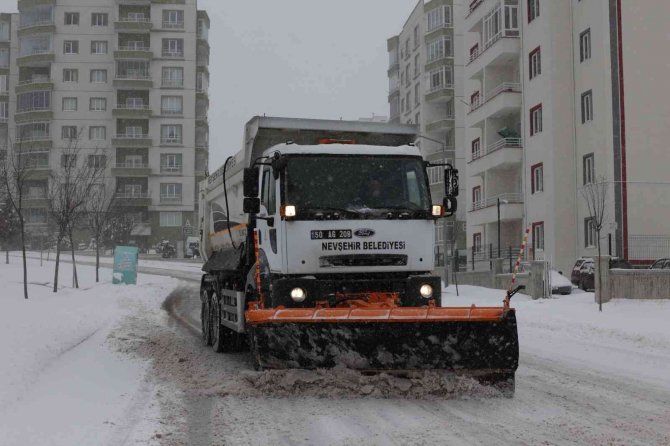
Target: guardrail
(132, 136)
(516, 143)
(505, 87)
(493, 201)
(131, 165)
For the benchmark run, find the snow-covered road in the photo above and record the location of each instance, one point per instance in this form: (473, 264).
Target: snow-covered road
(110, 365)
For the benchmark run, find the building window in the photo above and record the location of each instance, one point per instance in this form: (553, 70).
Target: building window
(417, 119)
(439, 17)
(439, 48)
(69, 132)
(173, 19)
(171, 162)
(98, 76)
(474, 52)
(72, 18)
(97, 161)
(33, 101)
(408, 100)
(407, 77)
(533, 10)
(170, 219)
(416, 95)
(538, 237)
(68, 161)
(587, 106)
(537, 178)
(171, 192)
(69, 104)
(585, 45)
(476, 197)
(590, 232)
(440, 78)
(173, 47)
(171, 105)
(98, 104)
(71, 47)
(402, 105)
(416, 37)
(70, 75)
(476, 148)
(589, 168)
(475, 101)
(536, 119)
(477, 242)
(99, 19)
(97, 133)
(171, 134)
(534, 63)
(416, 65)
(99, 47)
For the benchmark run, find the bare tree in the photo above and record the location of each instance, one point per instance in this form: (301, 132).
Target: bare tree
(14, 174)
(10, 224)
(69, 191)
(101, 213)
(595, 195)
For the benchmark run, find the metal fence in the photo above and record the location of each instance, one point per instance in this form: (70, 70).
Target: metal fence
(647, 248)
(473, 259)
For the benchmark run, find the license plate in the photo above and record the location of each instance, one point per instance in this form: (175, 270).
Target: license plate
(330, 234)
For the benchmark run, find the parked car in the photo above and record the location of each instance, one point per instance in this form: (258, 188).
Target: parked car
(661, 264)
(575, 274)
(587, 272)
(560, 284)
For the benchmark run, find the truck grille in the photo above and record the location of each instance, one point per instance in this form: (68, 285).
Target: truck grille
(363, 260)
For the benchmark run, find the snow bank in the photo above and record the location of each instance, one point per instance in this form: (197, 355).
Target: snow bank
(57, 365)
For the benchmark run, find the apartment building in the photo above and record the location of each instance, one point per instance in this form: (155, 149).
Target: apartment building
(425, 88)
(562, 94)
(5, 35)
(124, 80)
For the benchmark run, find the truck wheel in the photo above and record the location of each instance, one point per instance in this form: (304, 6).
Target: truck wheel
(205, 318)
(224, 340)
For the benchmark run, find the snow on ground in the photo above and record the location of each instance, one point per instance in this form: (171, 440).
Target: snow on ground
(63, 383)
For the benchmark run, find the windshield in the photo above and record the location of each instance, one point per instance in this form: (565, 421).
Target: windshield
(357, 183)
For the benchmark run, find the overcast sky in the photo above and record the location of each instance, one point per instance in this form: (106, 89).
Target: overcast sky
(294, 58)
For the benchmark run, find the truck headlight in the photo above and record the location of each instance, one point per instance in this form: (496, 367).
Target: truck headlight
(437, 210)
(298, 294)
(426, 291)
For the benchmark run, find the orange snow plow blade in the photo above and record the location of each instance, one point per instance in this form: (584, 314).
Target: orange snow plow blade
(477, 341)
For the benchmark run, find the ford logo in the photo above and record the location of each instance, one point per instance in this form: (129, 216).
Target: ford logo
(364, 233)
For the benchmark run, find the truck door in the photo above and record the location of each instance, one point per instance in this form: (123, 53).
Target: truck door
(270, 230)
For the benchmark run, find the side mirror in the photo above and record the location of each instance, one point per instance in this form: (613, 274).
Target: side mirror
(278, 164)
(451, 182)
(450, 205)
(250, 182)
(251, 205)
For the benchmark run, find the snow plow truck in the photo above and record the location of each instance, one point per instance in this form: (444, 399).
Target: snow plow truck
(318, 244)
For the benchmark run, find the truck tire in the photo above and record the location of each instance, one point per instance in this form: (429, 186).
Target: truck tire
(224, 340)
(205, 317)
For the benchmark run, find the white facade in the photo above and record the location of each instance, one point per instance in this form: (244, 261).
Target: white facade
(129, 79)
(564, 93)
(425, 88)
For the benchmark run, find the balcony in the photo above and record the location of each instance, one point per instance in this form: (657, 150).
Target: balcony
(37, 27)
(132, 140)
(33, 114)
(486, 211)
(33, 144)
(36, 58)
(133, 199)
(132, 111)
(36, 201)
(133, 52)
(130, 80)
(34, 84)
(131, 169)
(503, 154)
(441, 125)
(38, 171)
(133, 24)
(172, 25)
(503, 100)
(440, 93)
(171, 199)
(501, 50)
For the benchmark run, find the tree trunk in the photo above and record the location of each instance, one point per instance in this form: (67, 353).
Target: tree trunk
(75, 281)
(97, 260)
(600, 277)
(57, 264)
(7, 255)
(25, 266)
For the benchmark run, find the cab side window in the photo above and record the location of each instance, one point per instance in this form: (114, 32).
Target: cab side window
(268, 194)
